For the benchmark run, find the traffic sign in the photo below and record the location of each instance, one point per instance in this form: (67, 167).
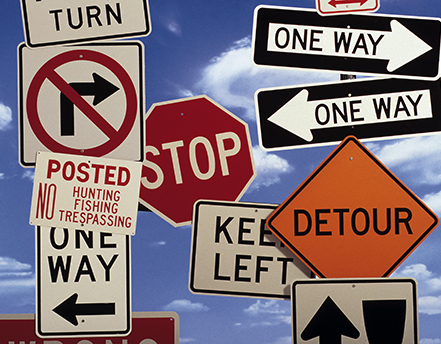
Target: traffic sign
(234, 253)
(147, 328)
(84, 100)
(356, 44)
(336, 311)
(322, 114)
(84, 192)
(329, 7)
(83, 283)
(195, 149)
(50, 22)
(352, 217)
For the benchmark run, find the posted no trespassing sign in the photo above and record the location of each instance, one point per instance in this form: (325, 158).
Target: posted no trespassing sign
(78, 192)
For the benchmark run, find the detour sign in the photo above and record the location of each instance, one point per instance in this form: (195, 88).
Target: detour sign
(352, 217)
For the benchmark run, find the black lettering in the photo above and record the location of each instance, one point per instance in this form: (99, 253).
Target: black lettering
(243, 230)
(223, 229)
(415, 104)
(80, 19)
(59, 267)
(239, 267)
(216, 269)
(401, 106)
(302, 41)
(354, 221)
(313, 39)
(342, 40)
(382, 107)
(375, 43)
(88, 239)
(297, 231)
(317, 117)
(284, 45)
(405, 220)
(388, 222)
(260, 268)
(319, 221)
(360, 44)
(88, 271)
(341, 219)
(57, 19)
(65, 239)
(117, 16)
(284, 261)
(93, 12)
(263, 232)
(103, 243)
(354, 111)
(106, 266)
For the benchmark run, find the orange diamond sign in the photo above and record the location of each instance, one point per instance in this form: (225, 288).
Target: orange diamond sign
(352, 217)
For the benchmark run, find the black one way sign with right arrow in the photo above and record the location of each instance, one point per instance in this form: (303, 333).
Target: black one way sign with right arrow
(321, 114)
(355, 44)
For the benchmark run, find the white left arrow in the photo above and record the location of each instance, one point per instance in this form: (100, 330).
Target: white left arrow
(300, 116)
(399, 46)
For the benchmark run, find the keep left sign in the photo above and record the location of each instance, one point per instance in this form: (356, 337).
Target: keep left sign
(79, 192)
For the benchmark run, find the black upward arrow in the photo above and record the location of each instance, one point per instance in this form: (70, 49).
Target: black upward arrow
(69, 309)
(100, 88)
(329, 324)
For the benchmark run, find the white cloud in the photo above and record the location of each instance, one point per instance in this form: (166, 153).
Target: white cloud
(429, 287)
(232, 79)
(158, 244)
(430, 341)
(268, 307)
(15, 277)
(185, 306)
(420, 157)
(12, 265)
(269, 167)
(283, 340)
(2, 175)
(5, 116)
(28, 174)
(186, 340)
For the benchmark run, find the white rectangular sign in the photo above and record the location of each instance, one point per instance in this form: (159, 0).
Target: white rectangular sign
(234, 253)
(54, 22)
(357, 310)
(83, 283)
(329, 7)
(78, 192)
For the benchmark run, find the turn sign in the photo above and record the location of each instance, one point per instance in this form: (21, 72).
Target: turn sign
(352, 217)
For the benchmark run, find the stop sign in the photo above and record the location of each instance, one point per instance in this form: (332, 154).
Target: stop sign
(195, 149)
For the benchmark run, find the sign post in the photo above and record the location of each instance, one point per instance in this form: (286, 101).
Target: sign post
(352, 217)
(195, 149)
(84, 101)
(351, 44)
(83, 283)
(356, 310)
(330, 7)
(79, 192)
(147, 328)
(323, 114)
(234, 253)
(50, 22)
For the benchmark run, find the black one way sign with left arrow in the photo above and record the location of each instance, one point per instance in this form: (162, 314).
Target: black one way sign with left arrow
(356, 44)
(321, 114)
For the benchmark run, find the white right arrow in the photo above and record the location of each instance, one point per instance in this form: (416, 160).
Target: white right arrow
(300, 116)
(399, 46)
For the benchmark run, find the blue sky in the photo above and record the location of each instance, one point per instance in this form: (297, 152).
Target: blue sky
(204, 47)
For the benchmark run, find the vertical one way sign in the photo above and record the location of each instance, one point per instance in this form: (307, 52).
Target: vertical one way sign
(356, 44)
(83, 283)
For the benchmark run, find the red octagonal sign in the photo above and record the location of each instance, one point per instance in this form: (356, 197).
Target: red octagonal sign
(195, 149)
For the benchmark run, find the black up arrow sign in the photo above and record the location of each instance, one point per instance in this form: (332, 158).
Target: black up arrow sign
(69, 309)
(329, 324)
(100, 88)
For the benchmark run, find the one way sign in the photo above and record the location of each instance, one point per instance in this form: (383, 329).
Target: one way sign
(321, 114)
(83, 283)
(357, 44)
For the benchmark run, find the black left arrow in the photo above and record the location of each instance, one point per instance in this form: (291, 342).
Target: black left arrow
(100, 88)
(329, 324)
(69, 309)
